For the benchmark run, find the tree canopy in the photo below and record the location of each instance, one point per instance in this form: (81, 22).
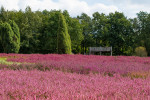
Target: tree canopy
(56, 31)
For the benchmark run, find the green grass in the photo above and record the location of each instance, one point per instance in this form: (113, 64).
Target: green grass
(4, 61)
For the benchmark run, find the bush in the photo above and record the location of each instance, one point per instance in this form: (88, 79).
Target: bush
(141, 51)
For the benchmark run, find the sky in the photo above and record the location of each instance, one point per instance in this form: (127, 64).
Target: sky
(75, 7)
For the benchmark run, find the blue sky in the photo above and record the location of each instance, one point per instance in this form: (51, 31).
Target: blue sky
(76, 7)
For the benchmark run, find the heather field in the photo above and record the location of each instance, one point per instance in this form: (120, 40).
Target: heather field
(74, 77)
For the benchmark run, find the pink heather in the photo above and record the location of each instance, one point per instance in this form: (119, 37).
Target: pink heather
(74, 83)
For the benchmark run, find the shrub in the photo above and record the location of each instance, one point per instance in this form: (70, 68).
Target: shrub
(141, 51)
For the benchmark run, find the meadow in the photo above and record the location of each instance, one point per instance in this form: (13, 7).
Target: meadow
(74, 77)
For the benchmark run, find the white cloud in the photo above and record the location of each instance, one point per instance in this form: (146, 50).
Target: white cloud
(103, 8)
(74, 7)
(10, 4)
(132, 7)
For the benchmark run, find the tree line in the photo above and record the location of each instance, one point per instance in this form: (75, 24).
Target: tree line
(56, 31)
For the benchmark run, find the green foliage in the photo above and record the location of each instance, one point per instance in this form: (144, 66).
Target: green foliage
(100, 29)
(144, 30)
(16, 37)
(30, 31)
(141, 51)
(76, 35)
(3, 14)
(75, 31)
(86, 23)
(10, 37)
(49, 32)
(29, 24)
(7, 37)
(120, 33)
(1, 49)
(63, 38)
(39, 32)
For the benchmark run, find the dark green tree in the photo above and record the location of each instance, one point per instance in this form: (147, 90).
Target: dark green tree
(63, 38)
(48, 38)
(10, 37)
(100, 29)
(136, 33)
(144, 30)
(120, 34)
(86, 22)
(29, 25)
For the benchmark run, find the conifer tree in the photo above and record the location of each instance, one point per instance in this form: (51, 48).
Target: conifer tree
(10, 37)
(63, 38)
(16, 36)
